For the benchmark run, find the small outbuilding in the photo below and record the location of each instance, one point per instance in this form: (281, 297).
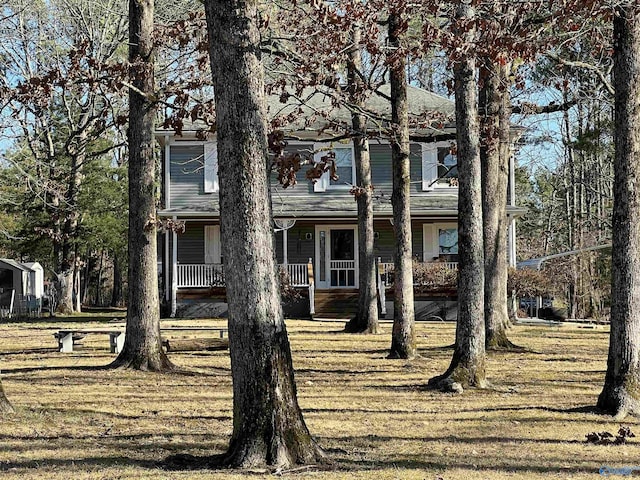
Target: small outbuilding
(21, 286)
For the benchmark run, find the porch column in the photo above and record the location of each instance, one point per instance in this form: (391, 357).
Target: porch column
(512, 243)
(165, 268)
(174, 272)
(285, 247)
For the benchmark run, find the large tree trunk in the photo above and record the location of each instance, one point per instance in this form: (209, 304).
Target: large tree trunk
(69, 288)
(117, 297)
(366, 319)
(495, 109)
(5, 405)
(142, 346)
(621, 393)
(268, 426)
(403, 337)
(468, 363)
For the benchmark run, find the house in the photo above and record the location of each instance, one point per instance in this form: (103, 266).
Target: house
(21, 286)
(315, 223)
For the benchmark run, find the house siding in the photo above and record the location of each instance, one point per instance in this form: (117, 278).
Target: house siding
(191, 244)
(187, 178)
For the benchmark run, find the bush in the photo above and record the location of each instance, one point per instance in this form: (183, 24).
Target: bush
(528, 283)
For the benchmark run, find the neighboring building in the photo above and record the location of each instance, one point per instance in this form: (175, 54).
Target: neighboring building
(21, 287)
(315, 224)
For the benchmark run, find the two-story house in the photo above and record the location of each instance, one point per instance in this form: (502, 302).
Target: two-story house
(315, 223)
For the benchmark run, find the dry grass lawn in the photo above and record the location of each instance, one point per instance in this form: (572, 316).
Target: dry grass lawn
(372, 415)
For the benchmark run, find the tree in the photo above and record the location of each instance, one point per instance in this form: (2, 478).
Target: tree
(59, 103)
(366, 319)
(495, 118)
(621, 392)
(268, 426)
(403, 337)
(467, 366)
(5, 405)
(142, 346)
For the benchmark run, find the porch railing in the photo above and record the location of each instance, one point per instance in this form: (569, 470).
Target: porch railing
(200, 275)
(204, 275)
(385, 269)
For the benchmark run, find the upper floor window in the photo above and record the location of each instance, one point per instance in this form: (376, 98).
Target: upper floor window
(192, 158)
(344, 168)
(439, 165)
(211, 184)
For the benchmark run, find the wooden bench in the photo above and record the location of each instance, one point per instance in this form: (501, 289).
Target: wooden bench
(65, 338)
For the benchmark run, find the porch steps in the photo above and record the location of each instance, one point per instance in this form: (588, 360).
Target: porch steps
(336, 303)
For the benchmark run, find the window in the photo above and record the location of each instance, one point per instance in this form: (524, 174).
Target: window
(440, 242)
(344, 168)
(211, 168)
(447, 164)
(189, 159)
(439, 165)
(448, 241)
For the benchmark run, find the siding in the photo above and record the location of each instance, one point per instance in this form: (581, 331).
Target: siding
(191, 244)
(300, 250)
(381, 168)
(187, 178)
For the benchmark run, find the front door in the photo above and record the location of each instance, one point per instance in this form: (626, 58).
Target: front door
(336, 265)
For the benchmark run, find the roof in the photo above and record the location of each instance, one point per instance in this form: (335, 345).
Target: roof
(316, 111)
(15, 265)
(316, 206)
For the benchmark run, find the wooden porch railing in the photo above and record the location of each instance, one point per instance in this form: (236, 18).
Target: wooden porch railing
(385, 270)
(204, 275)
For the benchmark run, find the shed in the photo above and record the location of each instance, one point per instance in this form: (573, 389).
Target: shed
(14, 276)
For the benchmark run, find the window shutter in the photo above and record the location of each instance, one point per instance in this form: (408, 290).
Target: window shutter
(429, 242)
(212, 253)
(323, 182)
(429, 166)
(211, 168)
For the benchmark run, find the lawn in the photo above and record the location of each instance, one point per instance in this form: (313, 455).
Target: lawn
(373, 416)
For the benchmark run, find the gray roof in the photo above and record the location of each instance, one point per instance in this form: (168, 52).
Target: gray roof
(15, 265)
(316, 110)
(337, 206)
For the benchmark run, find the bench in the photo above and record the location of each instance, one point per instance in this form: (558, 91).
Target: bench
(116, 337)
(65, 339)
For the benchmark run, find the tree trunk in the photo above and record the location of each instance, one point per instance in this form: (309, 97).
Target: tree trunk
(621, 393)
(468, 363)
(495, 108)
(69, 288)
(65, 289)
(117, 297)
(366, 319)
(268, 426)
(142, 346)
(403, 337)
(5, 405)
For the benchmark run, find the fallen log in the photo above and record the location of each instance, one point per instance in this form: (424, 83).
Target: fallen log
(195, 344)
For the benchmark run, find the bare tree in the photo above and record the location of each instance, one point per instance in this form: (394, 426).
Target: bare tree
(621, 393)
(268, 426)
(5, 405)
(495, 116)
(467, 366)
(366, 319)
(142, 346)
(403, 337)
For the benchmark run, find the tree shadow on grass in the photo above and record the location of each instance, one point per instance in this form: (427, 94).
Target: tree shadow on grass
(73, 463)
